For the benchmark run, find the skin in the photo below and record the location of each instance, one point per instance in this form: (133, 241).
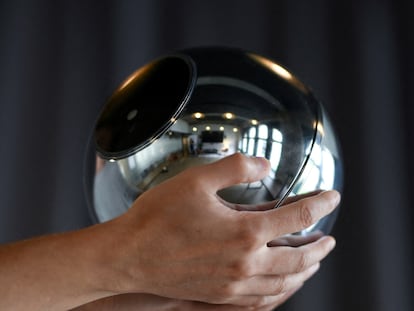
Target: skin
(177, 248)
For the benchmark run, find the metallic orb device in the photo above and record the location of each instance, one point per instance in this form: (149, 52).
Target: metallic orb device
(199, 105)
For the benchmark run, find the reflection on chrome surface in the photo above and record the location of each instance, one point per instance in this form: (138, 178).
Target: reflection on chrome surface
(200, 105)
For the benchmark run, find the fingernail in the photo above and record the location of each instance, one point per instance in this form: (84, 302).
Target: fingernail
(331, 244)
(315, 268)
(337, 197)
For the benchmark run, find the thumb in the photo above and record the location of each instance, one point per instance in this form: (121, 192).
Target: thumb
(235, 169)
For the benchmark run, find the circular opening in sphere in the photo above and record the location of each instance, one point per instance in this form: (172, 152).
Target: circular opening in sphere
(144, 106)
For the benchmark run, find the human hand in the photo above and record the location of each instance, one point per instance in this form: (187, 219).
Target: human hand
(186, 243)
(147, 302)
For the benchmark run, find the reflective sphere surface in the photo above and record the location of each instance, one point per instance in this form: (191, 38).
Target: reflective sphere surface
(199, 105)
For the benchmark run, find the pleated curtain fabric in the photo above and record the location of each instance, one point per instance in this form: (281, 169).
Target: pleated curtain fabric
(60, 60)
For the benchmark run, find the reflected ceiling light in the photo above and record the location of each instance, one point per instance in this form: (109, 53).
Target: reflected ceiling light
(254, 122)
(221, 128)
(130, 79)
(235, 129)
(208, 128)
(228, 116)
(273, 66)
(194, 129)
(198, 115)
(320, 129)
(132, 114)
(279, 70)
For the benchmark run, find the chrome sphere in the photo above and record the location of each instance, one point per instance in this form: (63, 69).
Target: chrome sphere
(199, 105)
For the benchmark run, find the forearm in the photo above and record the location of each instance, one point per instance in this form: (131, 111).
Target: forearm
(55, 272)
(143, 302)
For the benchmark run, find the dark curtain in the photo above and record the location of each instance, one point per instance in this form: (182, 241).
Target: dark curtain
(59, 61)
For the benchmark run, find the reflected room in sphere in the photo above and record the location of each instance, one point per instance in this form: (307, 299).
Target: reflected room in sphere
(199, 105)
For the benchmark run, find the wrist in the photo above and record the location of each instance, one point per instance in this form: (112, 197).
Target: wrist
(110, 259)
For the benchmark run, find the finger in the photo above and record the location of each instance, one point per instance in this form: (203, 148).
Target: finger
(267, 205)
(249, 303)
(295, 216)
(296, 240)
(233, 170)
(269, 285)
(281, 299)
(298, 197)
(270, 204)
(249, 207)
(265, 303)
(287, 260)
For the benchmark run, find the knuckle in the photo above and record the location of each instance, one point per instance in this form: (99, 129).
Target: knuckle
(188, 175)
(247, 234)
(227, 292)
(260, 302)
(303, 261)
(239, 158)
(305, 215)
(241, 269)
(196, 183)
(240, 164)
(280, 285)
